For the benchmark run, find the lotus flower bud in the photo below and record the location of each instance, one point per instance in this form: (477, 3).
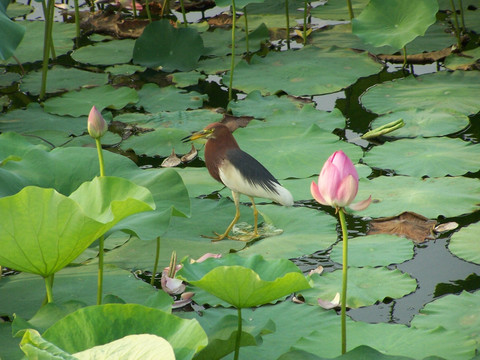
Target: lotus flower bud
(338, 183)
(97, 126)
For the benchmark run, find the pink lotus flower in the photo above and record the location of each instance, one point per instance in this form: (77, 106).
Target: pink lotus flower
(97, 126)
(338, 183)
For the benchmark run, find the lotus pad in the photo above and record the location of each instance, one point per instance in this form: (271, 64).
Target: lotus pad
(433, 157)
(466, 243)
(155, 99)
(304, 72)
(451, 91)
(105, 53)
(365, 286)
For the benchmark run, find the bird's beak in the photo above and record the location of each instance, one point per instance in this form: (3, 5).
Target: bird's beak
(197, 135)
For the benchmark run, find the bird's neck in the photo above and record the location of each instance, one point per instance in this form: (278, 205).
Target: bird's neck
(215, 153)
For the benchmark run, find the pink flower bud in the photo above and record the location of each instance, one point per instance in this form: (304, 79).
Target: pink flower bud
(338, 183)
(97, 126)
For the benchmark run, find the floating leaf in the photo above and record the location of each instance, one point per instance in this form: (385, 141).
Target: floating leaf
(433, 157)
(298, 72)
(449, 196)
(155, 99)
(12, 33)
(245, 282)
(450, 91)
(78, 103)
(413, 226)
(162, 45)
(465, 244)
(105, 53)
(365, 286)
(374, 250)
(394, 22)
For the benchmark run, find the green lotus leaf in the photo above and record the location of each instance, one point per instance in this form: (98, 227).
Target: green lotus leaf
(15, 10)
(374, 250)
(245, 282)
(298, 72)
(269, 7)
(365, 286)
(458, 313)
(155, 99)
(450, 91)
(186, 79)
(158, 143)
(42, 231)
(424, 122)
(466, 58)
(465, 244)
(144, 346)
(162, 45)
(124, 69)
(338, 10)
(105, 53)
(97, 325)
(238, 3)
(78, 103)
(433, 157)
(449, 196)
(31, 47)
(394, 22)
(36, 347)
(11, 32)
(62, 79)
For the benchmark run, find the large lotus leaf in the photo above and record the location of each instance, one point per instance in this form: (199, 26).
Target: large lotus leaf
(366, 286)
(465, 243)
(105, 53)
(424, 122)
(435, 38)
(374, 250)
(9, 348)
(186, 79)
(155, 99)
(285, 111)
(217, 65)
(124, 69)
(144, 346)
(394, 22)
(268, 7)
(158, 142)
(198, 181)
(305, 231)
(62, 79)
(458, 313)
(11, 32)
(23, 294)
(471, 17)
(97, 325)
(15, 147)
(466, 58)
(43, 231)
(245, 282)
(240, 4)
(337, 9)
(31, 48)
(307, 71)
(287, 151)
(15, 10)
(78, 103)
(449, 196)
(433, 157)
(450, 91)
(162, 45)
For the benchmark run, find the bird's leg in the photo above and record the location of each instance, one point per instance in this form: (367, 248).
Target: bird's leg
(255, 217)
(219, 237)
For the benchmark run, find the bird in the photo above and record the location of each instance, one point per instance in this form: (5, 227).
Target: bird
(240, 172)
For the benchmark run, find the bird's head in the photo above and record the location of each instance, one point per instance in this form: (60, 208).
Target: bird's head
(212, 131)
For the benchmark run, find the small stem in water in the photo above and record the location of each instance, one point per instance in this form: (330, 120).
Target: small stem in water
(287, 15)
(155, 265)
(350, 9)
(185, 22)
(232, 63)
(246, 28)
(239, 334)
(343, 225)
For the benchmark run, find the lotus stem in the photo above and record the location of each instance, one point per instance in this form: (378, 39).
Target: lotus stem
(101, 240)
(343, 225)
(100, 157)
(47, 43)
(239, 334)
(384, 129)
(287, 15)
(404, 56)
(147, 8)
(350, 9)
(462, 15)
(305, 9)
(48, 287)
(155, 264)
(246, 28)
(457, 27)
(77, 23)
(185, 22)
(134, 8)
(232, 63)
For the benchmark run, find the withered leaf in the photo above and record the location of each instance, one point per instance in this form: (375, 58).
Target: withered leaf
(409, 224)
